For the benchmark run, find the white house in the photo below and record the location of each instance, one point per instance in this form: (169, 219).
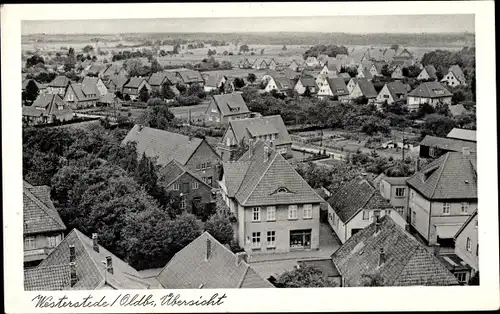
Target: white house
(454, 77)
(392, 92)
(427, 73)
(430, 93)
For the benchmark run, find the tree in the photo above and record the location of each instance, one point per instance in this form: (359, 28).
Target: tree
(155, 66)
(166, 92)
(176, 49)
(437, 125)
(244, 48)
(238, 82)
(30, 93)
(34, 60)
(220, 228)
(211, 52)
(251, 77)
(158, 117)
(284, 48)
(385, 71)
(87, 49)
(144, 94)
(304, 277)
(395, 47)
(262, 51)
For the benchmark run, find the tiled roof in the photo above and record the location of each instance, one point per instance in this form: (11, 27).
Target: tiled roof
(283, 83)
(134, 82)
(389, 54)
(457, 71)
(428, 90)
(89, 85)
(96, 68)
(50, 103)
(163, 145)
(337, 85)
(447, 143)
(407, 262)
(60, 81)
(396, 88)
(173, 170)
(39, 214)
(451, 176)
(261, 126)
(367, 88)
(214, 80)
(90, 269)
(50, 278)
(354, 196)
(118, 80)
(308, 81)
(468, 221)
(431, 71)
(345, 76)
(227, 101)
(81, 95)
(457, 110)
(109, 98)
(234, 173)
(395, 180)
(462, 134)
(156, 79)
(189, 268)
(264, 178)
(190, 76)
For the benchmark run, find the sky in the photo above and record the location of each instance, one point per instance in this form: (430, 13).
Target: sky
(330, 24)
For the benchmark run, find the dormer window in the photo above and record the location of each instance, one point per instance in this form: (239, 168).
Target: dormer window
(438, 91)
(282, 190)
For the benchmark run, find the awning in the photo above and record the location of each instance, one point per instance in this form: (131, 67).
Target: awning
(447, 231)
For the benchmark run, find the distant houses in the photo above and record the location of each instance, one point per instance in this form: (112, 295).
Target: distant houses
(46, 109)
(334, 87)
(391, 92)
(133, 87)
(280, 84)
(427, 73)
(363, 88)
(80, 96)
(431, 93)
(454, 77)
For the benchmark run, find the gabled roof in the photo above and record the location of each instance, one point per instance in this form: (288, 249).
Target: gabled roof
(96, 68)
(367, 88)
(354, 196)
(60, 81)
(462, 134)
(81, 95)
(446, 143)
(337, 85)
(431, 71)
(157, 78)
(264, 177)
(163, 145)
(396, 88)
(226, 102)
(190, 76)
(90, 269)
(345, 76)
(333, 64)
(457, 110)
(457, 71)
(389, 54)
(134, 82)
(283, 83)
(308, 81)
(378, 66)
(451, 176)
(174, 170)
(466, 223)
(50, 103)
(430, 90)
(190, 269)
(50, 278)
(264, 125)
(39, 214)
(89, 85)
(234, 173)
(367, 74)
(118, 80)
(214, 80)
(407, 262)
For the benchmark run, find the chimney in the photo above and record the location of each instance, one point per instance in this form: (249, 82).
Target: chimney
(109, 264)
(266, 153)
(466, 151)
(381, 259)
(241, 256)
(72, 274)
(417, 164)
(72, 254)
(250, 148)
(95, 244)
(140, 128)
(209, 249)
(407, 227)
(437, 249)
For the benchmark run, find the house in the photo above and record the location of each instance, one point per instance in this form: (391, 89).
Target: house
(391, 92)
(46, 109)
(462, 134)
(389, 54)
(434, 147)
(353, 207)
(427, 73)
(312, 62)
(43, 228)
(454, 77)
(134, 86)
(94, 69)
(80, 263)
(457, 110)
(397, 73)
(352, 84)
(376, 69)
(157, 79)
(294, 66)
(364, 88)
(281, 84)
(193, 192)
(90, 84)
(322, 59)
(345, 76)
(260, 64)
(214, 82)
(306, 83)
(195, 154)
(79, 96)
(335, 87)
(276, 210)
(226, 107)
(385, 254)
(272, 64)
(395, 190)
(365, 74)
(111, 69)
(42, 88)
(207, 264)
(373, 54)
(291, 75)
(443, 195)
(245, 64)
(59, 85)
(431, 93)
(190, 77)
(115, 83)
(331, 68)
(270, 129)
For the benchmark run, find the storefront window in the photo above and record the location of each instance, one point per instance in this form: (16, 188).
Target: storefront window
(300, 239)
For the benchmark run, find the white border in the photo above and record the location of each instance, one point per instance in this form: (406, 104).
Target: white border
(486, 296)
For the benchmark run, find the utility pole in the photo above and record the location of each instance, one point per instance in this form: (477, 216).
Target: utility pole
(403, 149)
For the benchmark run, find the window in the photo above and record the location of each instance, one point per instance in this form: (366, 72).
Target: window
(446, 208)
(256, 214)
(292, 212)
(198, 166)
(214, 110)
(400, 192)
(52, 241)
(386, 96)
(400, 210)
(475, 226)
(271, 238)
(468, 245)
(271, 213)
(464, 208)
(29, 243)
(182, 204)
(307, 211)
(195, 185)
(461, 277)
(255, 240)
(208, 165)
(413, 218)
(432, 152)
(366, 214)
(209, 180)
(388, 212)
(176, 187)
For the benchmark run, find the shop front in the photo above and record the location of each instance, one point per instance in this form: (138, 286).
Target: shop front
(300, 239)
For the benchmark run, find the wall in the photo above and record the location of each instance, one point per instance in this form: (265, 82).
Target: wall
(101, 87)
(203, 191)
(455, 218)
(41, 243)
(282, 226)
(300, 88)
(423, 75)
(204, 154)
(356, 92)
(470, 231)
(384, 95)
(422, 208)
(210, 115)
(337, 225)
